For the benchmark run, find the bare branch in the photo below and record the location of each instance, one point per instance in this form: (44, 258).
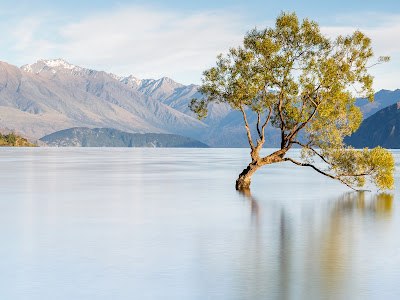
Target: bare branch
(266, 122)
(375, 64)
(313, 102)
(313, 150)
(288, 137)
(283, 125)
(296, 130)
(258, 125)
(247, 128)
(356, 175)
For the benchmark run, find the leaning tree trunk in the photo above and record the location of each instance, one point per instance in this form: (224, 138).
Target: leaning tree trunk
(244, 180)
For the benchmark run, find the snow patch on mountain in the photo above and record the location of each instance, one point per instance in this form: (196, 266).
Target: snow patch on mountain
(60, 63)
(53, 64)
(133, 82)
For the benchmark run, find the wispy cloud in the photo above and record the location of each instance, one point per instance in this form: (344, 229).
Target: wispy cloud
(384, 35)
(148, 42)
(140, 41)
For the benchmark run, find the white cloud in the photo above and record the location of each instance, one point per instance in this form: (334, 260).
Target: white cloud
(24, 33)
(150, 43)
(385, 42)
(142, 41)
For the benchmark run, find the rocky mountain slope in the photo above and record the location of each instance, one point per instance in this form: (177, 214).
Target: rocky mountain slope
(225, 126)
(53, 95)
(380, 129)
(48, 96)
(107, 137)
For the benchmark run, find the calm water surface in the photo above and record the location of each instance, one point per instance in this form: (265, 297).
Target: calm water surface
(115, 223)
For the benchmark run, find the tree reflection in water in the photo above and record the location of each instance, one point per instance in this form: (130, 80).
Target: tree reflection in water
(319, 253)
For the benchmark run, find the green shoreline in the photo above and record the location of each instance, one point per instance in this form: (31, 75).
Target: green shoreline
(13, 140)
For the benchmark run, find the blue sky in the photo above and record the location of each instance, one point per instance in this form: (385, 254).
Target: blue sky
(178, 39)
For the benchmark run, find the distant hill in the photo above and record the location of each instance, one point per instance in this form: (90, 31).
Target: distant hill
(107, 137)
(382, 99)
(52, 95)
(13, 140)
(31, 140)
(380, 129)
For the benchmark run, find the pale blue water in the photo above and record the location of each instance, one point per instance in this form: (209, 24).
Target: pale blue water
(109, 223)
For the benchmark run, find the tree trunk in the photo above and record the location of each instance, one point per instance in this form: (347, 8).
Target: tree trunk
(244, 180)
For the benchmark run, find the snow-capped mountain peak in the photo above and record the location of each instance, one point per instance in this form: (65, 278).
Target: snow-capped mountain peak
(55, 64)
(132, 81)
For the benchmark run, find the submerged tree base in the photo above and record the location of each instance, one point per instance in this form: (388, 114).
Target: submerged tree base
(244, 180)
(242, 185)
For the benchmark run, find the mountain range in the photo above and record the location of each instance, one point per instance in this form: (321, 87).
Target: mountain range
(382, 99)
(380, 129)
(53, 95)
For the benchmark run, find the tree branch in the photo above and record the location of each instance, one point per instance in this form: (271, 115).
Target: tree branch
(258, 125)
(327, 174)
(283, 126)
(277, 156)
(313, 150)
(247, 128)
(296, 128)
(295, 131)
(266, 122)
(289, 136)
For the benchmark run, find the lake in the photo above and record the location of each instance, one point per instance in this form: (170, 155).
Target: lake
(143, 223)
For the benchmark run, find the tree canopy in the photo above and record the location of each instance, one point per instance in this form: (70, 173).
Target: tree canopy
(305, 84)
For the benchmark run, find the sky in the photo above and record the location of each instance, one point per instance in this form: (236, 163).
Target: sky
(178, 39)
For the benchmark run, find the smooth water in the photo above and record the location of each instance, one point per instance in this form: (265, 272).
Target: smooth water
(113, 223)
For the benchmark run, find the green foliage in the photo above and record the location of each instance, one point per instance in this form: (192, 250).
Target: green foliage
(307, 84)
(355, 166)
(13, 140)
(199, 107)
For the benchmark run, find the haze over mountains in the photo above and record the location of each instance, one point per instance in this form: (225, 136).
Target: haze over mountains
(380, 129)
(382, 99)
(108, 137)
(53, 95)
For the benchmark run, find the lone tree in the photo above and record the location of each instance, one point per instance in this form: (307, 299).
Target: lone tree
(298, 80)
